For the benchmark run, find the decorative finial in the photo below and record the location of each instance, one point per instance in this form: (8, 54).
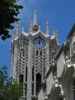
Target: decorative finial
(55, 34)
(47, 26)
(39, 27)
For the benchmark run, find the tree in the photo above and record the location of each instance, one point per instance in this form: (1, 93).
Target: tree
(3, 78)
(14, 92)
(9, 10)
(9, 89)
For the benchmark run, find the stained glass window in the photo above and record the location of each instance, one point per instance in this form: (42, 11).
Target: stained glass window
(39, 42)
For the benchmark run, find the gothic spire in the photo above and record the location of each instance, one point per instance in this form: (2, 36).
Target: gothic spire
(16, 33)
(35, 18)
(30, 25)
(22, 29)
(17, 28)
(47, 26)
(35, 22)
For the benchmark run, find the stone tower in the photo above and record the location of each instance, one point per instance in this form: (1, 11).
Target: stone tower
(30, 59)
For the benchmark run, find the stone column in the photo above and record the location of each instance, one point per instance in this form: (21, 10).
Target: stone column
(34, 81)
(47, 56)
(29, 80)
(24, 81)
(35, 75)
(14, 55)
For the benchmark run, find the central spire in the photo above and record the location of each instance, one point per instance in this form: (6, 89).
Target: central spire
(35, 22)
(35, 18)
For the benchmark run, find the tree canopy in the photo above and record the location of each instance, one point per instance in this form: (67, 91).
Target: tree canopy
(9, 89)
(9, 10)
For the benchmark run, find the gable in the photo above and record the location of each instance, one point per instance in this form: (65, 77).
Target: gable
(39, 34)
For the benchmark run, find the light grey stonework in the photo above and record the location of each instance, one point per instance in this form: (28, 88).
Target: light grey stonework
(46, 68)
(31, 61)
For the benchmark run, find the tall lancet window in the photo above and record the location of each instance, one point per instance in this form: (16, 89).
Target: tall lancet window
(39, 42)
(74, 89)
(73, 48)
(26, 72)
(38, 83)
(21, 77)
(33, 80)
(73, 53)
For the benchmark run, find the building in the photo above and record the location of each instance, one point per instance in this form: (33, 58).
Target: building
(61, 85)
(45, 68)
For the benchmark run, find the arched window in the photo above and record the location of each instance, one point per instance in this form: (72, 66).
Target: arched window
(73, 89)
(26, 74)
(21, 83)
(36, 52)
(40, 53)
(38, 82)
(21, 78)
(74, 46)
(73, 53)
(33, 73)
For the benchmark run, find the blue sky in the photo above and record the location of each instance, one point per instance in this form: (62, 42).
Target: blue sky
(61, 16)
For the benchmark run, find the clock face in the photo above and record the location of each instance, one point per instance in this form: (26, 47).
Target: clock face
(39, 42)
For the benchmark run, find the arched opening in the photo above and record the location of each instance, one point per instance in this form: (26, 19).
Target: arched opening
(21, 78)
(26, 72)
(73, 88)
(41, 53)
(38, 82)
(33, 80)
(21, 83)
(36, 52)
(33, 73)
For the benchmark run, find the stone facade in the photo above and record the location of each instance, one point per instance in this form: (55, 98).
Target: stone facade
(32, 54)
(60, 79)
(45, 68)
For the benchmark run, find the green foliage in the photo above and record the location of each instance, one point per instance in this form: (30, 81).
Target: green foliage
(3, 76)
(9, 90)
(9, 10)
(14, 92)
